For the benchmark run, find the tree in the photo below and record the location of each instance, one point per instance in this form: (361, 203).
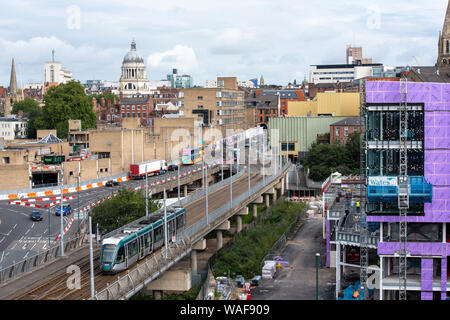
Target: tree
(64, 102)
(108, 96)
(125, 207)
(32, 111)
(324, 159)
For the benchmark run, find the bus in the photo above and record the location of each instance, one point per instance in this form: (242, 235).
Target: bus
(192, 155)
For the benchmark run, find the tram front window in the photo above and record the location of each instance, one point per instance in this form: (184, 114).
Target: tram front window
(108, 253)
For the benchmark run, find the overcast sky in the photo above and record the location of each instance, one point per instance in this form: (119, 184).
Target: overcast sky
(209, 38)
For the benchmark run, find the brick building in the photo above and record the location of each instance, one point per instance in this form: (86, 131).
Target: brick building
(341, 130)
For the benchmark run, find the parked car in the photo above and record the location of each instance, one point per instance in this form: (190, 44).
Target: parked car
(172, 167)
(111, 183)
(240, 281)
(67, 209)
(36, 216)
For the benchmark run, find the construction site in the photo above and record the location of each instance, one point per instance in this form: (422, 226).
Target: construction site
(386, 230)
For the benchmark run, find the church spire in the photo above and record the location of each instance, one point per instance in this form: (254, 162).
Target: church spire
(446, 27)
(13, 80)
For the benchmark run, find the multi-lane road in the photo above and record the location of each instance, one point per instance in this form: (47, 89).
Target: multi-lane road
(20, 237)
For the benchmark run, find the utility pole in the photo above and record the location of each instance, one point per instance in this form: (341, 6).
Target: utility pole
(207, 205)
(166, 242)
(231, 184)
(91, 259)
(62, 212)
(146, 191)
(178, 167)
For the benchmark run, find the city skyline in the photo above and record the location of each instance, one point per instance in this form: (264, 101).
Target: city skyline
(207, 40)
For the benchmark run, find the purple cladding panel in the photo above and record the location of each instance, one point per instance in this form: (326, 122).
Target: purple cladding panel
(426, 295)
(427, 275)
(416, 248)
(444, 278)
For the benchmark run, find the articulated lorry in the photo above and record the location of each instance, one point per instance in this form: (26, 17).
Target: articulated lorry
(152, 167)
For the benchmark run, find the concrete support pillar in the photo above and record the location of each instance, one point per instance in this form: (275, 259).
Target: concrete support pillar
(282, 186)
(255, 210)
(267, 200)
(219, 240)
(185, 190)
(275, 195)
(238, 224)
(194, 262)
(157, 294)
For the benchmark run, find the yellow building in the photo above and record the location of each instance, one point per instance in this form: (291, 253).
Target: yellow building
(337, 104)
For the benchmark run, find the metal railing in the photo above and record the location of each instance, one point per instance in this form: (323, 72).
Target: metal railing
(18, 269)
(155, 265)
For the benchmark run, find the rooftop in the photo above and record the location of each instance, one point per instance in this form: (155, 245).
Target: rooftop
(352, 121)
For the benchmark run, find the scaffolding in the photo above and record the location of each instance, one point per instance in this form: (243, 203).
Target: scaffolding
(364, 232)
(403, 188)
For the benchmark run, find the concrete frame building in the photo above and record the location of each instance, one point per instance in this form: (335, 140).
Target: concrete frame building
(221, 107)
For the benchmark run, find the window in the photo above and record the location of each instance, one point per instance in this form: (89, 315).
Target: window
(5, 160)
(128, 107)
(200, 107)
(123, 107)
(123, 114)
(128, 114)
(144, 115)
(120, 255)
(355, 129)
(139, 114)
(346, 131)
(112, 110)
(132, 107)
(337, 131)
(181, 94)
(132, 248)
(134, 115)
(200, 98)
(143, 107)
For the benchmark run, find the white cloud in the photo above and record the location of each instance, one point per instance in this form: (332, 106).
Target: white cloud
(181, 57)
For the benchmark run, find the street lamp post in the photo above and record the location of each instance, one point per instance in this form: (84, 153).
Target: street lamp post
(206, 189)
(62, 214)
(317, 275)
(178, 167)
(165, 225)
(146, 192)
(49, 227)
(91, 258)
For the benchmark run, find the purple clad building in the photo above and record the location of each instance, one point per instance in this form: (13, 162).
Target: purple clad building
(428, 170)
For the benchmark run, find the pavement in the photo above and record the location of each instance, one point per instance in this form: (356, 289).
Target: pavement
(298, 280)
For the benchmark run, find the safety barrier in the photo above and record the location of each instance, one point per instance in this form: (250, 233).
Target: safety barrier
(19, 268)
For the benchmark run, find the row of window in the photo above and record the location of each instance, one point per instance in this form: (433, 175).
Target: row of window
(133, 115)
(132, 108)
(338, 131)
(345, 72)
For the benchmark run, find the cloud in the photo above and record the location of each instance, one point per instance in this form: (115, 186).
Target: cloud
(180, 57)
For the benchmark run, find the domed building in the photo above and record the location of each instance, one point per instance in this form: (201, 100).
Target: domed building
(134, 76)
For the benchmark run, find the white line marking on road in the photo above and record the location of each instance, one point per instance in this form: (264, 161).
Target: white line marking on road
(15, 226)
(32, 225)
(27, 231)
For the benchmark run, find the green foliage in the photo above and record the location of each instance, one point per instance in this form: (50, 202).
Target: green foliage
(64, 102)
(32, 111)
(324, 159)
(122, 209)
(108, 96)
(246, 254)
(188, 295)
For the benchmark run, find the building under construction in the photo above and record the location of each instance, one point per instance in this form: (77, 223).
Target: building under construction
(391, 230)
